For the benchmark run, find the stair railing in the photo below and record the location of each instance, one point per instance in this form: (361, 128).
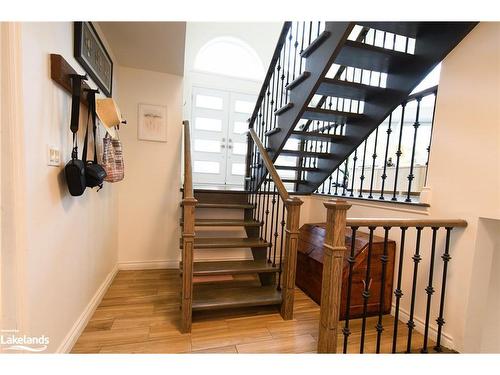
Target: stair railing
(378, 169)
(285, 69)
(188, 210)
(336, 274)
(279, 215)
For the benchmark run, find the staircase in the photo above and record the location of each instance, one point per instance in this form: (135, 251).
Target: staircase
(237, 224)
(330, 85)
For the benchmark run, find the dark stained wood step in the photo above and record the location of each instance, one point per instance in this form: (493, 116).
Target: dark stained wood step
(312, 154)
(349, 90)
(409, 29)
(227, 243)
(316, 136)
(302, 77)
(283, 109)
(315, 44)
(295, 168)
(205, 297)
(233, 267)
(364, 56)
(225, 223)
(288, 180)
(322, 114)
(228, 206)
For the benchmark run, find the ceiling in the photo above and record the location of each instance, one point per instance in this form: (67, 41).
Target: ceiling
(156, 46)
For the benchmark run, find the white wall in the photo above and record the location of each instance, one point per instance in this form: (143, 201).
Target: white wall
(262, 37)
(464, 178)
(72, 242)
(149, 196)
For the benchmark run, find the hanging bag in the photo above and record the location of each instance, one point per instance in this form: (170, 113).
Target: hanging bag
(74, 170)
(112, 159)
(94, 173)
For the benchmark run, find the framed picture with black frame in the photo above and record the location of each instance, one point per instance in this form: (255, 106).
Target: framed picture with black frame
(90, 52)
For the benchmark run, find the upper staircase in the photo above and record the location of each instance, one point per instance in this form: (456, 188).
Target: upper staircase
(329, 85)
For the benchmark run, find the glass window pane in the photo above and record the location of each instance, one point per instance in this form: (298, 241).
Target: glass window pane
(240, 127)
(239, 148)
(201, 166)
(238, 169)
(205, 145)
(242, 106)
(210, 102)
(210, 124)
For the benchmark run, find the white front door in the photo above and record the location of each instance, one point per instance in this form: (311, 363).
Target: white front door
(219, 136)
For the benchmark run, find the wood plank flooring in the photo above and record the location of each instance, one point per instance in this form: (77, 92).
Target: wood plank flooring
(140, 314)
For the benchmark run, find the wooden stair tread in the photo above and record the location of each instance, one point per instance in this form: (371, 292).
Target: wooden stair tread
(408, 29)
(322, 114)
(295, 168)
(233, 267)
(349, 90)
(227, 242)
(321, 155)
(315, 44)
(315, 136)
(364, 56)
(228, 206)
(225, 223)
(205, 297)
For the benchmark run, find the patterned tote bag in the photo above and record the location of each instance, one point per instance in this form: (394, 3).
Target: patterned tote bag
(112, 159)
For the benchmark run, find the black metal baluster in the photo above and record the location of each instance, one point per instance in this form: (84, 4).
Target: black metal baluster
(337, 181)
(412, 163)
(351, 259)
(330, 185)
(383, 259)
(416, 260)
(289, 57)
(362, 177)
(366, 290)
(276, 227)
(295, 44)
(429, 290)
(398, 292)
(430, 139)
(384, 173)
(345, 179)
(374, 157)
(440, 320)
(281, 245)
(399, 152)
(271, 249)
(354, 159)
(302, 46)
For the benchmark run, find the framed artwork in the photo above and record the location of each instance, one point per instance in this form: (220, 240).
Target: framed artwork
(90, 52)
(152, 123)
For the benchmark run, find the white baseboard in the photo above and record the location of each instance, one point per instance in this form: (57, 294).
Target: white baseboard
(148, 265)
(404, 316)
(84, 318)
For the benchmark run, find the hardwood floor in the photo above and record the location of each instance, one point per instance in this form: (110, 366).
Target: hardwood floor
(140, 314)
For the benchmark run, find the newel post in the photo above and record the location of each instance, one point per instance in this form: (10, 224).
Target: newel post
(333, 259)
(290, 257)
(188, 206)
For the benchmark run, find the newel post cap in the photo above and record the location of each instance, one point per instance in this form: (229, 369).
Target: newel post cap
(337, 204)
(293, 201)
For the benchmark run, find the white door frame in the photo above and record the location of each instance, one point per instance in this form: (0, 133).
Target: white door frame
(13, 182)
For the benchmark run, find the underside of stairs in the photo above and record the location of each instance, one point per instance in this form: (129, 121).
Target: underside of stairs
(351, 76)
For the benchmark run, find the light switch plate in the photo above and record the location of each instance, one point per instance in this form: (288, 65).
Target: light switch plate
(53, 156)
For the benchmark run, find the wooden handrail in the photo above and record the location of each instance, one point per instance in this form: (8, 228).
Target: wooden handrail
(407, 223)
(270, 167)
(188, 171)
